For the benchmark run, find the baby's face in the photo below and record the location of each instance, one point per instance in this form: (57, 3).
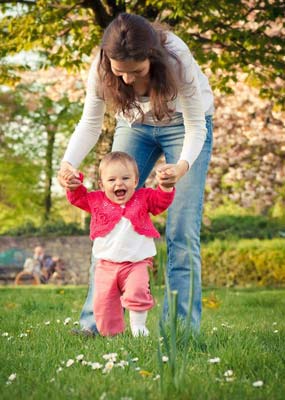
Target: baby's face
(119, 181)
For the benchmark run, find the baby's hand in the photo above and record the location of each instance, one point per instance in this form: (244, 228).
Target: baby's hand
(169, 174)
(164, 177)
(68, 176)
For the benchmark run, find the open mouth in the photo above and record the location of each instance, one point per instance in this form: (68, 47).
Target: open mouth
(120, 192)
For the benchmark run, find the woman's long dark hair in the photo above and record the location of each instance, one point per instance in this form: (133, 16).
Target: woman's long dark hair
(132, 37)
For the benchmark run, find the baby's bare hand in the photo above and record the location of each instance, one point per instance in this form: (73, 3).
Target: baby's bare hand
(68, 176)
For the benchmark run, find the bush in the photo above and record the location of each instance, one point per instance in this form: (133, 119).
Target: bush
(50, 228)
(226, 227)
(244, 263)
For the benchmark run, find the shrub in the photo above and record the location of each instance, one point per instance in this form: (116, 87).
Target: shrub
(227, 227)
(243, 263)
(50, 228)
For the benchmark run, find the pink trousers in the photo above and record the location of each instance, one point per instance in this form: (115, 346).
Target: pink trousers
(119, 286)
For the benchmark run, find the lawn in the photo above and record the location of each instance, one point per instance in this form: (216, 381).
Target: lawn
(241, 343)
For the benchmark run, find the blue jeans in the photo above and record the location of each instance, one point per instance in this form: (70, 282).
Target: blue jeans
(146, 144)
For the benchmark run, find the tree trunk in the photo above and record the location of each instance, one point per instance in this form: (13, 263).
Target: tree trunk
(51, 130)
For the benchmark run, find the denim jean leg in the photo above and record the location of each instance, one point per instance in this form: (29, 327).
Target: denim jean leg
(183, 235)
(87, 320)
(140, 143)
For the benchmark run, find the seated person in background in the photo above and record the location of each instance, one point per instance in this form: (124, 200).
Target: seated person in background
(59, 273)
(41, 264)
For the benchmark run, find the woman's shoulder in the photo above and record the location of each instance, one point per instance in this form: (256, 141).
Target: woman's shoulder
(175, 44)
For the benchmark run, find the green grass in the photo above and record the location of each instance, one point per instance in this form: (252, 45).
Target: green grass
(239, 329)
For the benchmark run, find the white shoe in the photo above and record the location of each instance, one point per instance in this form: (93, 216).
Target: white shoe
(139, 331)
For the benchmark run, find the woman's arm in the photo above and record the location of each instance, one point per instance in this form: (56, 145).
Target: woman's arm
(194, 100)
(190, 99)
(89, 127)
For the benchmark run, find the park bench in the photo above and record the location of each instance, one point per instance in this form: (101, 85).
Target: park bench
(11, 263)
(11, 270)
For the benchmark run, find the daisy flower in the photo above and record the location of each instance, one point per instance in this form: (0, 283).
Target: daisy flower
(108, 367)
(257, 384)
(111, 357)
(11, 378)
(69, 362)
(96, 365)
(214, 360)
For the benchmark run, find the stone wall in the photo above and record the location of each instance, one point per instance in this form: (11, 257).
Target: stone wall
(74, 250)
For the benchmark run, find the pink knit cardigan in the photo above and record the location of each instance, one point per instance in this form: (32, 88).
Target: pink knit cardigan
(105, 214)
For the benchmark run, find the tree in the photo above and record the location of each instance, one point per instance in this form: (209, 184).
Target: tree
(225, 36)
(19, 175)
(31, 136)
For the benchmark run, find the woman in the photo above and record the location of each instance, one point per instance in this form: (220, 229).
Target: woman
(164, 106)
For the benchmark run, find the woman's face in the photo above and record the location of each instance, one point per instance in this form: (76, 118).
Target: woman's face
(130, 70)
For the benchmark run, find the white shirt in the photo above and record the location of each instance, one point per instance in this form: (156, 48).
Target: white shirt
(194, 100)
(123, 243)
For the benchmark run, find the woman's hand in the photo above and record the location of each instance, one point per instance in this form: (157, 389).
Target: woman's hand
(169, 174)
(68, 176)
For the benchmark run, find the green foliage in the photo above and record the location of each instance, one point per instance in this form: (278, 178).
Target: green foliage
(33, 129)
(19, 190)
(225, 36)
(230, 227)
(234, 226)
(242, 263)
(49, 228)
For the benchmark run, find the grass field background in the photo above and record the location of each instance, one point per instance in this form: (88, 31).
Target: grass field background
(241, 343)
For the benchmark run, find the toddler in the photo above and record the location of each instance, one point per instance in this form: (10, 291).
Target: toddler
(123, 242)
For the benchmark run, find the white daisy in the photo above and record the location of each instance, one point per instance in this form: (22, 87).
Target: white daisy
(69, 362)
(12, 377)
(257, 384)
(96, 365)
(214, 360)
(108, 367)
(111, 357)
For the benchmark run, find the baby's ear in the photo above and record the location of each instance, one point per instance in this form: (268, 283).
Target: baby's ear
(101, 185)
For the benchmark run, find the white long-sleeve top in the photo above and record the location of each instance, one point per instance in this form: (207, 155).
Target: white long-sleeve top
(193, 102)
(123, 243)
